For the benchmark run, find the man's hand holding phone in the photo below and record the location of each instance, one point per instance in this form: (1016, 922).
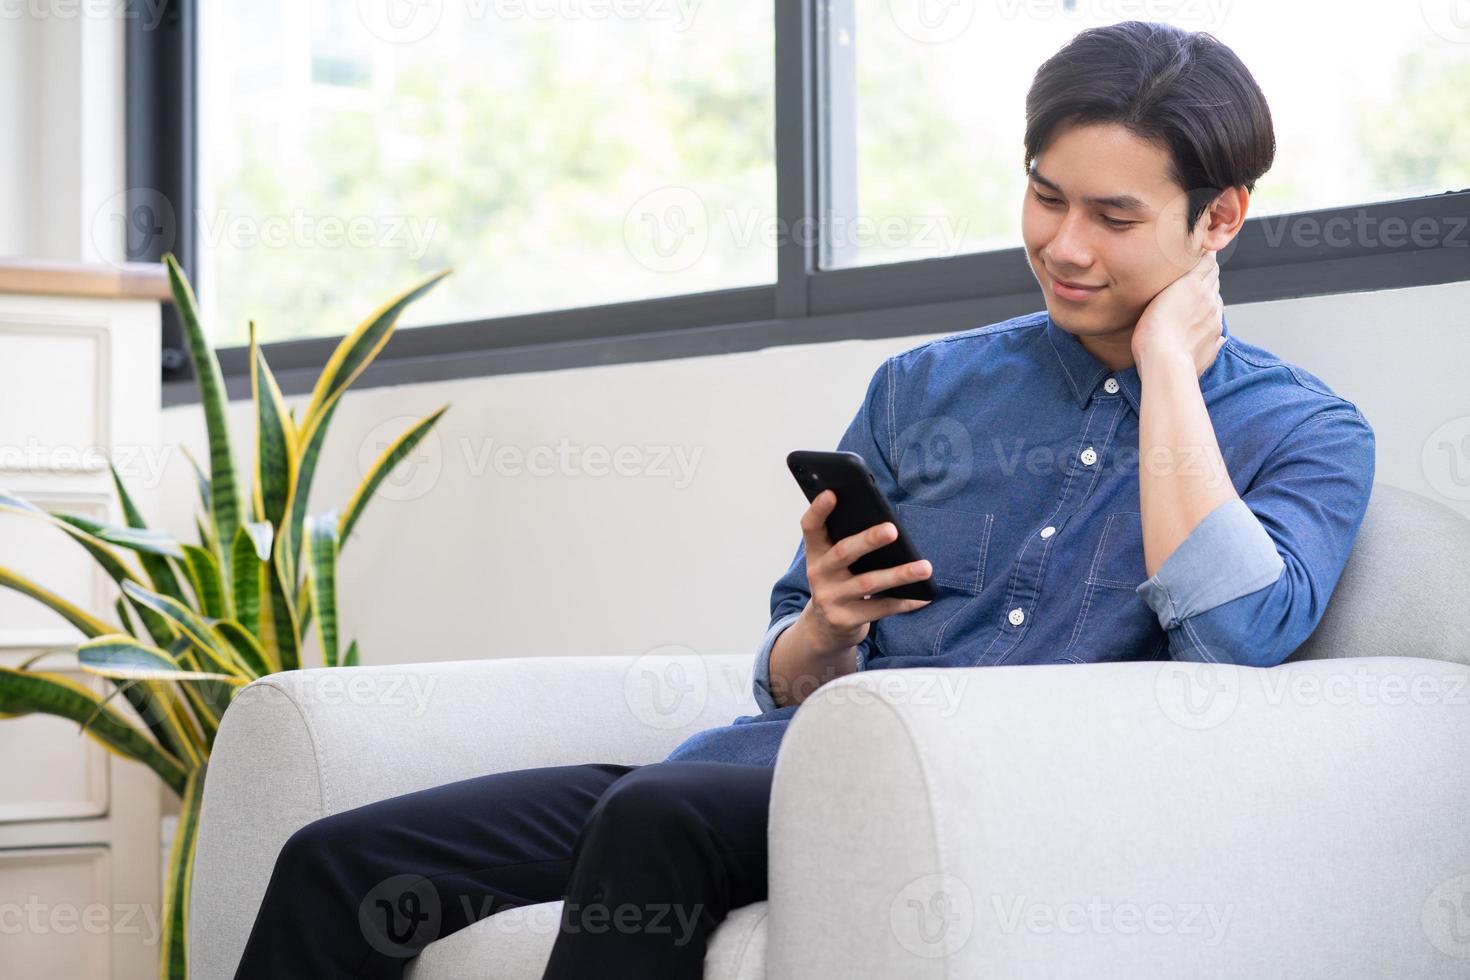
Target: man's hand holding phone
(840, 609)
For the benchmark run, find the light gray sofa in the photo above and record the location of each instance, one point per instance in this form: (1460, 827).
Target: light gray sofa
(1108, 820)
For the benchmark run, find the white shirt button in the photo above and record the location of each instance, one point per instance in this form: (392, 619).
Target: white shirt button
(1047, 532)
(1017, 617)
(1089, 456)
(1111, 386)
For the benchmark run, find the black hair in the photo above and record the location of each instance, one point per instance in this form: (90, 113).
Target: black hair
(1185, 91)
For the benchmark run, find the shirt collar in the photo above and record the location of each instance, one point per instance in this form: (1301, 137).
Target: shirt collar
(1085, 373)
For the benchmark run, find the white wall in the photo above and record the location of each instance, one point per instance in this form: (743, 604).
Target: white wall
(61, 133)
(482, 564)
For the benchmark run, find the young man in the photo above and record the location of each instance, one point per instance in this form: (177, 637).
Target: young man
(1111, 478)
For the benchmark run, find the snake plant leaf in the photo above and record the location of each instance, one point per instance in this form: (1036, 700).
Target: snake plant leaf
(200, 480)
(192, 626)
(385, 462)
(77, 528)
(206, 537)
(248, 577)
(261, 536)
(310, 451)
(247, 648)
(275, 444)
(157, 569)
(206, 702)
(304, 611)
(358, 349)
(80, 618)
(350, 660)
(279, 627)
(123, 657)
(174, 964)
(156, 704)
(350, 358)
(157, 544)
(85, 531)
(123, 619)
(207, 581)
(322, 531)
(29, 692)
(224, 494)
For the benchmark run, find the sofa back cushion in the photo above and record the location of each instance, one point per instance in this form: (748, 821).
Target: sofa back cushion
(1405, 590)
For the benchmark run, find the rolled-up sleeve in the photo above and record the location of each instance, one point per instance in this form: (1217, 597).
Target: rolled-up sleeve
(869, 435)
(1250, 583)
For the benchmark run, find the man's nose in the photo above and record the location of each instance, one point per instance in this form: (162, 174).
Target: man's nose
(1071, 248)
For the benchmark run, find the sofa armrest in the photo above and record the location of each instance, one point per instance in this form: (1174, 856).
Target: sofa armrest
(1145, 819)
(305, 744)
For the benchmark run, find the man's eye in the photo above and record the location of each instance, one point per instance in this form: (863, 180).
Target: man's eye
(1047, 200)
(1115, 223)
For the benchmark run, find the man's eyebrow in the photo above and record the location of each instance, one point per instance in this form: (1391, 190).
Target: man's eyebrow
(1123, 202)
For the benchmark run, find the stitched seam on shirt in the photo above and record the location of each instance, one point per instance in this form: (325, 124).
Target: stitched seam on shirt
(1198, 643)
(979, 333)
(955, 582)
(893, 459)
(984, 553)
(1063, 363)
(1081, 617)
(939, 635)
(1089, 591)
(1334, 413)
(1290, 369)
(1046, 551)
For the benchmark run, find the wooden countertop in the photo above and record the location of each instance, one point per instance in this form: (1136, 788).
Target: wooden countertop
(131, 280)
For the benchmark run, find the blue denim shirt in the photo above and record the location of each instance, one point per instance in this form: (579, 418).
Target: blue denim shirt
(1011, 457)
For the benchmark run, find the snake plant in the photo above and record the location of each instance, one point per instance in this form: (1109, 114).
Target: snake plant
(194, 623)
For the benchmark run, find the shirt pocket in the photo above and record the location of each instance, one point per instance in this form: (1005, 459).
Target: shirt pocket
(1118, 561)
(1114, 622)
(954, 541)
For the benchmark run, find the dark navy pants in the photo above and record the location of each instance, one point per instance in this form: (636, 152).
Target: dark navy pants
(648, 859)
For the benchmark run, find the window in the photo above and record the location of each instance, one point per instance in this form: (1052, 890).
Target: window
(937, 120)
(627, 180)
(556, 155)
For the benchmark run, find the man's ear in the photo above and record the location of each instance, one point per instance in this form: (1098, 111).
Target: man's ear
(1221, 221)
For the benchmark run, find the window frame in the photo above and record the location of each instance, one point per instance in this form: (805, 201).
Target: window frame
(815, 121)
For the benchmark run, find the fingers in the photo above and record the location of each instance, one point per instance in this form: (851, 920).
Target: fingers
(875, 609)
(814, 525)
(871, 583)
(854, 546)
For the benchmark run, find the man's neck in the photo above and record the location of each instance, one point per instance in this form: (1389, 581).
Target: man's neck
(1115, 350)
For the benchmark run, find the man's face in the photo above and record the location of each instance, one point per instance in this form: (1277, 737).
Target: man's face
(1131, 249)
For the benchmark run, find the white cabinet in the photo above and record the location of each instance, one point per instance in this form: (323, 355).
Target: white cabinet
(80, 892)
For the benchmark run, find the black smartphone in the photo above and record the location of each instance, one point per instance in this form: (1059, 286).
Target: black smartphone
(860, 505)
